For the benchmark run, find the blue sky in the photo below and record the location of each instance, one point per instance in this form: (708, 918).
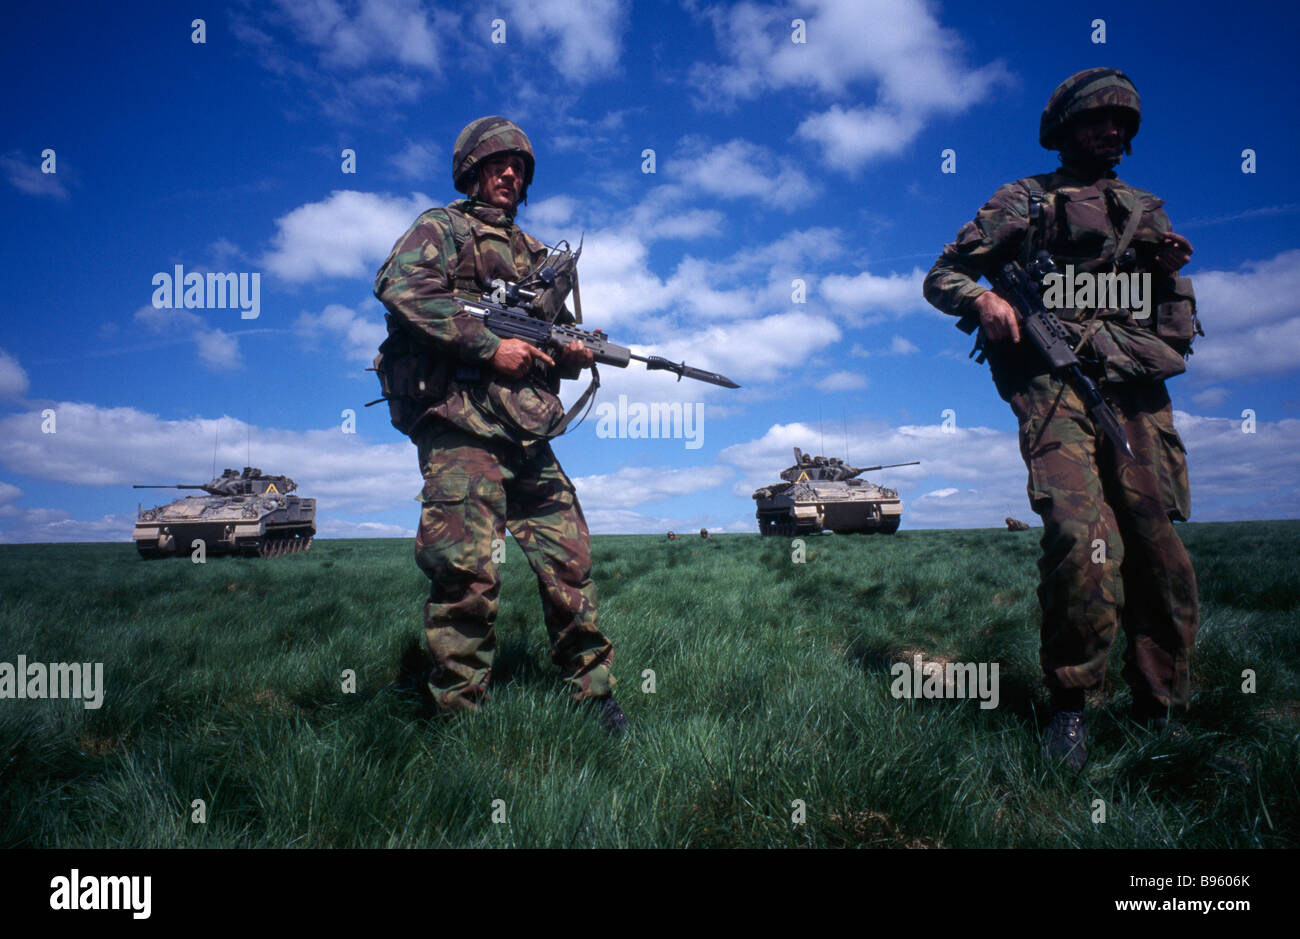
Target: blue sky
(775, 161)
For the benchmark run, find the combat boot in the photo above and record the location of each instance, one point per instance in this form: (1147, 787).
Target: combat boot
(1159, 718)
(611, 717)
(1066, 739)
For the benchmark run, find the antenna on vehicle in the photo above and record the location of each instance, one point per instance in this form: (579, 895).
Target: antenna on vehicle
(216, 435)
(845, 418)
(820, 430)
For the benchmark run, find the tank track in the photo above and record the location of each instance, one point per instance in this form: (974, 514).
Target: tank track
(291, 542)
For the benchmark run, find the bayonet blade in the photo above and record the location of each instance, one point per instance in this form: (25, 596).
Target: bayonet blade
(682, 370)
(1111, 426)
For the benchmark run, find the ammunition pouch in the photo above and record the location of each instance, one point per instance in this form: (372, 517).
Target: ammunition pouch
(410, 379)
(523, 405)
(1176, 321)
(1133, 353)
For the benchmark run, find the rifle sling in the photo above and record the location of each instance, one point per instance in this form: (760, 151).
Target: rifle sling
(587, 395)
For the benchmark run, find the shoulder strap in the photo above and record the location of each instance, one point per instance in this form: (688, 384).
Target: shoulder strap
(464, 273)
(1130, 225)
(1034, 237)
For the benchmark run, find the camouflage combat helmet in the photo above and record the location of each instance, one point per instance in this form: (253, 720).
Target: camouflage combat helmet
(1088, 90)
(483, 139)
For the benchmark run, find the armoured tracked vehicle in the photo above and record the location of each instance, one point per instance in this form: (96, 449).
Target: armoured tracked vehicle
(243, 513)
(820, 493)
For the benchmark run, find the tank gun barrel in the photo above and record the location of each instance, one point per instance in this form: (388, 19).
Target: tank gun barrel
(175, 486)
(868, 469)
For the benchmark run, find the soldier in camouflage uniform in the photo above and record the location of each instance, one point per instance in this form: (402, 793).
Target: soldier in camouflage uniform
(481, 410)
(1111, 556)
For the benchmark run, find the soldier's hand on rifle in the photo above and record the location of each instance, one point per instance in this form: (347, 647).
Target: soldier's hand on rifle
(997, 317)
(576, 354)
(514, 358)
(1173, 253)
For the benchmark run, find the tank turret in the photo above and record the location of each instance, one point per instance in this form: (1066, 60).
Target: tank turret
(831, 469)
(251, 482)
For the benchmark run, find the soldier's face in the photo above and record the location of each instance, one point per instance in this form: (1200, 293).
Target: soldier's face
(501, 179)
(1101, 134)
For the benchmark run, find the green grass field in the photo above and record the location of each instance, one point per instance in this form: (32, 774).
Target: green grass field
(772, 684)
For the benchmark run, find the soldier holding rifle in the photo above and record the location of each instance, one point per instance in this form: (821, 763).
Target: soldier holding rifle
(1107, 470)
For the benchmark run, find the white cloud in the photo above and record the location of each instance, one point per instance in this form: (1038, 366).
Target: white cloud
(218, 350)
(740, 169)
(697, 291)
(686, 526)
(13, 379)
(27, 177)
(761, 349)
(963, 508)
(331, 527)
(897, 346)
(664, 213)
(849, 138)
(584, 40)
(642, 485)
(1211, 397)
(22, 525)
(27, 526)
(384, 30)
(359, 336)
(116, 447)
(616, 279)
(867, 294)
(347, 235)
(222, 251)
(1251, 318)
(1238, 475)
(895, 47)
(1257, 294)
(842, 381)
(417, 160)
(626, 521)
(551, 213)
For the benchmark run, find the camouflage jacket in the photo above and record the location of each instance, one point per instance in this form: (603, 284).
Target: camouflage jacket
(437, 358)
(1082, 223)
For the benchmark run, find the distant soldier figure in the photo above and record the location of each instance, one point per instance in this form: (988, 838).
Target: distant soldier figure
(481, 410)
(1015, 524)
(1110, 552)
(704, 533)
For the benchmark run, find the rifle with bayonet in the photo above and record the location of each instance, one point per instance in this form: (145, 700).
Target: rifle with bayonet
(1023, 290)
(505, 311)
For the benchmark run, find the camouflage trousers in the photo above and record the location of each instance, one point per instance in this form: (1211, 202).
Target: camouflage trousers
(474, 489)
(1110, 556)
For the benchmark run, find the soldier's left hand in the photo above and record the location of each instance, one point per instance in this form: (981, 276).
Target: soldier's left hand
(575, 353)
(1173, 253)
